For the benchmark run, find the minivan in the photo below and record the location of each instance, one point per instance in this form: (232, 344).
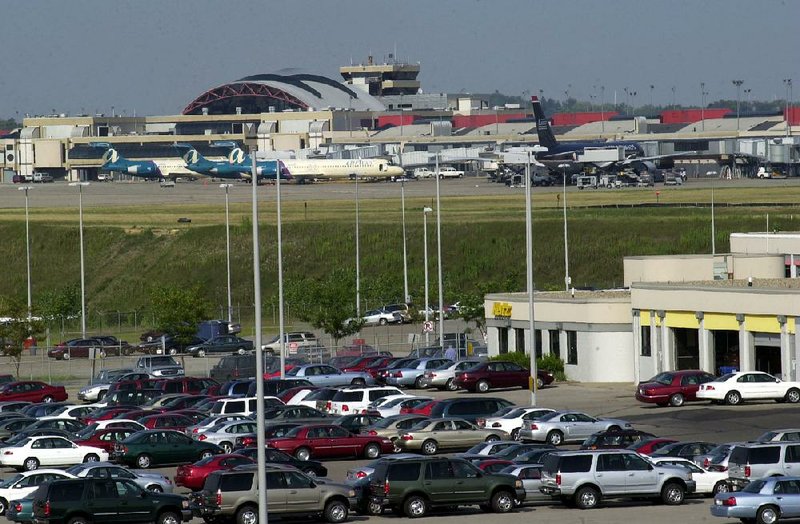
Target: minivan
(241, 406)
(755, 461)
(469, 409)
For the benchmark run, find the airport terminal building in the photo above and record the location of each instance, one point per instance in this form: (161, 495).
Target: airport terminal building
(733, 311)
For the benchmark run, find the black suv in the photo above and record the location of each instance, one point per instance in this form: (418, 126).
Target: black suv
(411, 486)
(98, 500)
(470, 409)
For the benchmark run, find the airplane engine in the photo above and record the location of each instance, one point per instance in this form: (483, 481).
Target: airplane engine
(665, 163)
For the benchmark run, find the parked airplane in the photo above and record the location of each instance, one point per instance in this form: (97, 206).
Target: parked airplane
(151, 169)
(565, 156)
(306, 170)
(226, 169)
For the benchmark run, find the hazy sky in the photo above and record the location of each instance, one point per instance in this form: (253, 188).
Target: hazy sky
(155, 56)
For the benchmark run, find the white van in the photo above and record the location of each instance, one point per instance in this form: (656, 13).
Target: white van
(242, 405)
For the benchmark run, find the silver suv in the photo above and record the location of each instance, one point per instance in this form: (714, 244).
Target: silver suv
(585, 478)
(755, 461)
(296, 343)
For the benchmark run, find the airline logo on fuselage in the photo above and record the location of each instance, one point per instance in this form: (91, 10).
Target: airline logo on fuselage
(359, 163)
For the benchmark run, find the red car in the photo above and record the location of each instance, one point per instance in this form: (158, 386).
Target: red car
(189, 385)
(166, 421)
(287, 395)
(362, 363)
(672, 388)
(328, 441)
(108, 413)
(193, 415)
(646, 447)
(493, 465)
(498, 374)
(194, 475)
(420, 409)
(32, 391)
(106, 438)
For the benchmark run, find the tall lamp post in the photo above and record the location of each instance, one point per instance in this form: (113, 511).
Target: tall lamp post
(602, 109)
(281, 326)
(788, 83)
(529, 271)
(227, 187)
(703, 94)
(425, 211)
(406, 296)
(358, 260)
(567, 280)
(738, 84)
(439, 253)
(28, 246)
(80, 186)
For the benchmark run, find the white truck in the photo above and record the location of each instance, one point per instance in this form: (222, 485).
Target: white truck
(585, 181)
(423, 172)
(450, 172)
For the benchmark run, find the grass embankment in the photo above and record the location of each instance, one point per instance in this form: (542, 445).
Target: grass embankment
(129, 250)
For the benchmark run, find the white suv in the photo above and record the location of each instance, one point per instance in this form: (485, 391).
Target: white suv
(295, 342)
(356, 400)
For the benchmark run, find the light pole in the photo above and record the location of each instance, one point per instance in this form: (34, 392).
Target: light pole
(425, 211)
(227, 187)
(439, 253)
(529, 270)
(358, 260)
(703, 94)
(407, 298)
(28, 246)
(788, 83)
(281, 327)
(738, 84)
(566, 241)
(602, 109)
(80, 186)
(652, 88)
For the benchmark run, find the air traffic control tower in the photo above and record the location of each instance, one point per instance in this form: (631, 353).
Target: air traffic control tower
(392, 78)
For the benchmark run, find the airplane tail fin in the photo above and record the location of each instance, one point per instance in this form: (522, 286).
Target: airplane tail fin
(236, 156)
(110, 156)
(192, 157)
(546, 136)
(283, 171)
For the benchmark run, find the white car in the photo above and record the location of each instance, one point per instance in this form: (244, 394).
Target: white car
(450, 172)
(33, 452)
(224, 434)
(393, 407)
(735, 388)
(512, 421)
(378, 317)
(71, 412)
(211, 421)
(299, 396)
(443, 377)
(23, 484)
(356, 400)
(707, 482)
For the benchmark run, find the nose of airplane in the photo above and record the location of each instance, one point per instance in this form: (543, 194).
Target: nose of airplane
(395, 170)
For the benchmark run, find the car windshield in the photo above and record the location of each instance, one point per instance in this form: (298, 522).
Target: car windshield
(321, 394)
(551, 416)
(662, 378)
(20, 443)
(293, 432)
(724, 378)
(10, 481)
(293, 372)
(86, 432)
(420, 426)
(412, 364)
(514, 413)
(755, 487)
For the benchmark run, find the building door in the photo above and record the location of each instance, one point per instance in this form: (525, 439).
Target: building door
(768, 353)
(502, 337)
(519, 337)
(726, 351)
(687, 348)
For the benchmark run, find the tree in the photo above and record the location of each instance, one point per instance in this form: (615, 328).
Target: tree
(15, 328)
(60, 304)
(178, 310)
(327, 303)
(471, 310)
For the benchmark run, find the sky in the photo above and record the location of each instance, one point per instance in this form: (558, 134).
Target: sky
(152, 57)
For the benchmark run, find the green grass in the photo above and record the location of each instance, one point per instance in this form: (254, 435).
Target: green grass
(129, 250)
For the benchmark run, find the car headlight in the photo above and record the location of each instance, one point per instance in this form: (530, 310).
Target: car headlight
(689, 476)
(185, 504)
(517, 483)
(351, 493)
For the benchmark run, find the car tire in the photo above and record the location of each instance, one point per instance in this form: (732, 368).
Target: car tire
(200, 353)
(419, 383)
(206, 453)
(451, 385)
(155, 488)
(336, 511)
(555, 438)
(302, 454)
(144, 461)
(430, 447)
(383, 322)
(101, 395)
(492, 438)
(247, 515)
(30, 464)
(720, 487)
(48, 399)
(793, 396)
(587, 497)
(415, 507)
(768, 515)
(672, 494)
(168, 517)
(103, 354)
(241, 351)
(373, 508)
(677, 400)
(358, 382)
(172, 351)
(65, 356)
(397, 449)
(78, 520)
(372, 451)
(482, 386)
(227, 447)
(515, 434)
(3, 506)
(539, 383)
(733, 398)
(502, 501)
(91, 457)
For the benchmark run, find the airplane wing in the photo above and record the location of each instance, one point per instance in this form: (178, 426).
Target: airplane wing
(632, 160)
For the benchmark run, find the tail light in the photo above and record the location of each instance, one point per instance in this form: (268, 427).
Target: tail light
(345, 408)
(219, 498)
(481, 422)
(196, 430)
(360, 475)
(372, 433)
(328, 405)
(730, 501)
(386, 487)
(47, 508)
(8, 453)
(534, 426)
(746, 474)
(398, 374)
(706, 462)
(707, 387)
(17, 507)
(202, 437)
(236, 373)
(558, 479)
(407, 437)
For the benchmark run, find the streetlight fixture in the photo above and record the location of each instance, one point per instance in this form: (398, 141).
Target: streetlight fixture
(281, 326)
(738, 84)
(407, 298)
(439, 253)
(227, 187)
(425, 211)
(358, 259)
(529, 271)
(566, 241)
(788, 83)
(80, 186)
(703, 94)
(602, 109)
(28, 246)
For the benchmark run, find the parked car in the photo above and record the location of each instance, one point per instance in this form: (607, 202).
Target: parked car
(735, 388)
(616, 439)
(312, 468)
(149, 448)
(498, 374)
(758, 460)
(687, 450)
(241, 405)
(189, 385)
(763, 501)
(355, 422)
(224, 434)
(513, 421)
(470, 409)
(229, 495)
(77, 348)
(32, 391)
(221, 344)
(294, 414)
(413, 374)
(391, 427)
(431, 436)
(212, 420)
(561, 427)
(416, 485)
(166, 421)
(531, 477)
(70, 500)
(707, 482)
(193, 476)
(151, 481)
(393, 406)
(647, 447)
(586, 478)
(33, 452)
(21, 510)
(324, 375)
(444, 376)
(378, 317)
(104, 438)
(402, 309)
(25, 483)
(159, 366)
(356, 399)
(329, 441)
(295, 342)
(165, 344)
(672, 388)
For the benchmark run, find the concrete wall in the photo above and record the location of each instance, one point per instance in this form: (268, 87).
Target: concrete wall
(690, 268)
(757, 266)
(602, 357)
(722, 299)
(774, 243)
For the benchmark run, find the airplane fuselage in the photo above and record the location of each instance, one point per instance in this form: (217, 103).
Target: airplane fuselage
(342, 169)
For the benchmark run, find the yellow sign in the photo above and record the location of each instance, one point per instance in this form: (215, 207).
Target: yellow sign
(501, 310)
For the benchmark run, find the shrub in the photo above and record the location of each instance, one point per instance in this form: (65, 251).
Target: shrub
(548, 363)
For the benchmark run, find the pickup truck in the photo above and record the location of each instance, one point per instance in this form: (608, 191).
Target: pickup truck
(42, 178)
(450, 172)
(423, 172)
(159, 366)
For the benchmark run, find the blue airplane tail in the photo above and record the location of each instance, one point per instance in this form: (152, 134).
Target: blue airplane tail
(545, 132)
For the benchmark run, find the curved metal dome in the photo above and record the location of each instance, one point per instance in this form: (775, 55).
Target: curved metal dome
(257, 93)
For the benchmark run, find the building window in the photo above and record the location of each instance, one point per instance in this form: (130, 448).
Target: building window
(519, 340)
(538, 343)
(555, 343)
(502, 335)
(572, 348)
(646, 349)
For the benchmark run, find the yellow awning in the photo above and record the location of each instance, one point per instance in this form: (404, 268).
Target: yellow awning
(644, 317)
(762, 323)
(721, 321)
(682, 319)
